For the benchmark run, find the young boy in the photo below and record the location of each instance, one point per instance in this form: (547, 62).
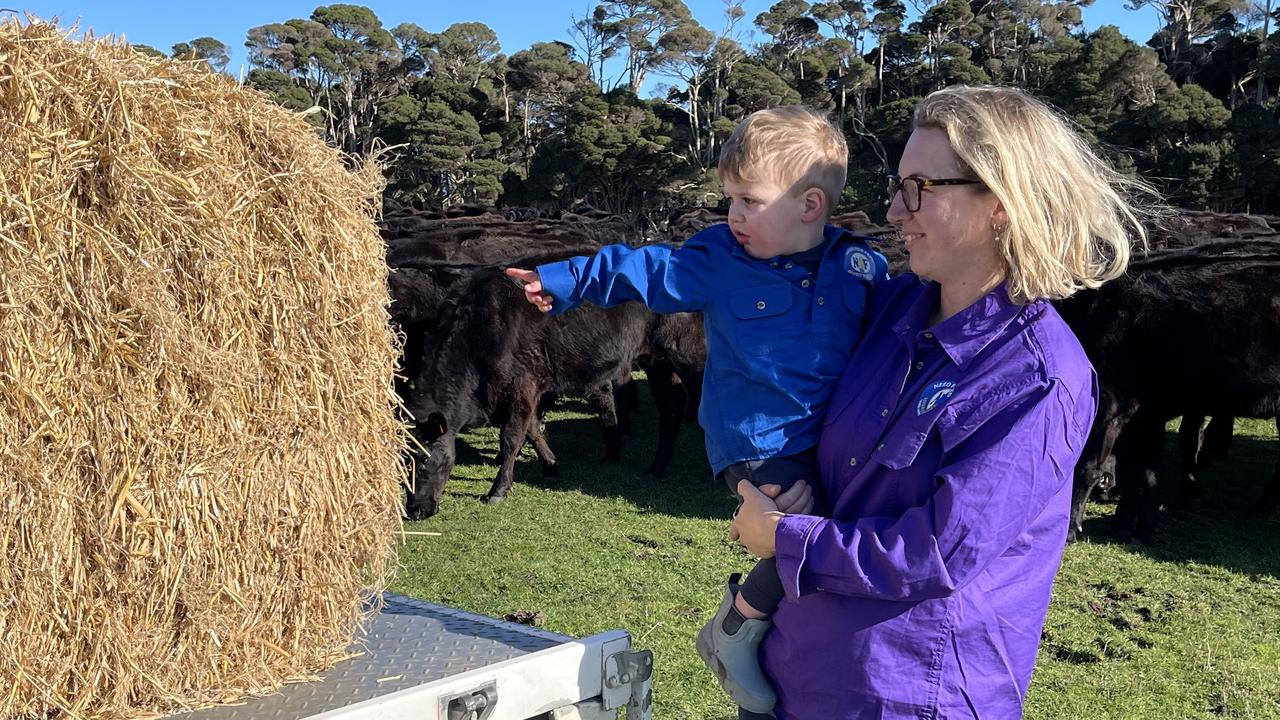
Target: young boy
(782, 298)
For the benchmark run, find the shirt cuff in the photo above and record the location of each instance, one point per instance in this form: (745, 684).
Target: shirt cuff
(791, 545)
(557, 279)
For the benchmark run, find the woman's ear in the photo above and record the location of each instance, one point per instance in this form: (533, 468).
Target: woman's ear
(999, 218)
(815, 205)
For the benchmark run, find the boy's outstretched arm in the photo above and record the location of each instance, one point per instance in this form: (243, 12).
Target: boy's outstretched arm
(531, 282)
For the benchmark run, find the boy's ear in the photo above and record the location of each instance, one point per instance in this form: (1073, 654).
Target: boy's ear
(815, 205)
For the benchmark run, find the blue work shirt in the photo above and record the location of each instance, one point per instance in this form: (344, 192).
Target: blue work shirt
(946, 462)
(777, 336)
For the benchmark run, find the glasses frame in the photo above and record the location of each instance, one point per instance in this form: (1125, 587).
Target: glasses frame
(896, 183)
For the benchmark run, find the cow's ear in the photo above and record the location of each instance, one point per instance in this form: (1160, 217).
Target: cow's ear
(434, 426)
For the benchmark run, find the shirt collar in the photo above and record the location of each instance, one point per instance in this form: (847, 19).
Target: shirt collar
(965, 334)
(829, 234)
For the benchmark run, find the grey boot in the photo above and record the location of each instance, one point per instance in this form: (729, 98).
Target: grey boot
(733, 657)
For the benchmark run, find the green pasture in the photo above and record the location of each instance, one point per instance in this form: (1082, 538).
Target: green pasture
(1189, 628)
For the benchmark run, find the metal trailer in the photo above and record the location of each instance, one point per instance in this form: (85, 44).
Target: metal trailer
(422, 661)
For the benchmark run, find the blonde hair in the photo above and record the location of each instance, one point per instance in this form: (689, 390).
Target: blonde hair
(793, 146)
(1072, 218)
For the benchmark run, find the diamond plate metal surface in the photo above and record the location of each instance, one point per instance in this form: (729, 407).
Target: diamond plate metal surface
(409, 644)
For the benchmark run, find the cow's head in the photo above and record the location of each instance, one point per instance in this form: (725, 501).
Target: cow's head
(432, 467)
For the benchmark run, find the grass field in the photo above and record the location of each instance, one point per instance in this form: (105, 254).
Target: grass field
(1189, 628)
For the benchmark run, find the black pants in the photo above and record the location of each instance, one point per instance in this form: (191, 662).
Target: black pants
(748, 715)
(763, 588)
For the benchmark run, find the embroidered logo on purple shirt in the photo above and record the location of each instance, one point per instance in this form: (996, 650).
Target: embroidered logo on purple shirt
(934, 396)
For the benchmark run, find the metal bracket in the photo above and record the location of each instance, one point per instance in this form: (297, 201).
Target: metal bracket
(585, 710)
(477, 704)
(628, 680)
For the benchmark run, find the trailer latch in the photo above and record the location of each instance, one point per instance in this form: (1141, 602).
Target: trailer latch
(475, 704)
(628, 677)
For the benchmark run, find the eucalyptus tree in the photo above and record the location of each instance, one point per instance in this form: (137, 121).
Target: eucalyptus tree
(635, 30)
(358, 54)
(885, 24)
(1184, 23)
(211, 50)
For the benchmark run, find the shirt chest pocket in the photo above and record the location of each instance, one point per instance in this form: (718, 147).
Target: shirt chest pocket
(917, 443)
(909, 440)
(764, 321)
(855, 308)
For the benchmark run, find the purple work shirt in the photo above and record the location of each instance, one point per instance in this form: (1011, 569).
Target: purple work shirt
(946, 463)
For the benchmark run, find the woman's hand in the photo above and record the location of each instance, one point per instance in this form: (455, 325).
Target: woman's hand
(798, 500)
(756, 521)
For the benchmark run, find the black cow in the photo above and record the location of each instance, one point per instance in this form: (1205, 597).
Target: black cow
(1191, 332)
(674, 359)
(492, 358)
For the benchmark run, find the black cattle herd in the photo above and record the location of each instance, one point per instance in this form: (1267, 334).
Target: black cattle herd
(1192, 331)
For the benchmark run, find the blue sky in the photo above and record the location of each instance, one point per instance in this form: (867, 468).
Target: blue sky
(518, 24)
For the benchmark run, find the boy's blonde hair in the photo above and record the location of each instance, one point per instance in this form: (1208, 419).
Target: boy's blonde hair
(793, 146)
(1072, 217)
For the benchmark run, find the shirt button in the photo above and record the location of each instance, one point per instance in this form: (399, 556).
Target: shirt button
(881, 447)
(804, 283)
(929, 335)
(822, 300)
(788, 266)
(853, 462)
(773, 264)
(760, 305)
(884, 412)
(920, 365)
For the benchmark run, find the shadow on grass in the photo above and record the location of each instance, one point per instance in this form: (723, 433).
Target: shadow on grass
(686, 490)
(1221, 532)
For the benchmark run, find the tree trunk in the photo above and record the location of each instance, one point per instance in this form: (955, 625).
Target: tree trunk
(1262, 47)
(881, 72)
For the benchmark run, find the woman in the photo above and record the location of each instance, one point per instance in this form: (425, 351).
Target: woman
(947, 455)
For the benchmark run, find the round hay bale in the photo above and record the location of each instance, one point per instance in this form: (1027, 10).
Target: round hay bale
(201, 456)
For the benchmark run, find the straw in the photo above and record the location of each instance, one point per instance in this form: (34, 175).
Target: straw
(200, 460)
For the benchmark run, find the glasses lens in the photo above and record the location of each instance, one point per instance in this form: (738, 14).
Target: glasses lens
(892, 187)
(911, 194)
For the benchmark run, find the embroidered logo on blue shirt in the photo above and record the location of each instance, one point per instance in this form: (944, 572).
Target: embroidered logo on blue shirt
(860, 263)
(935, 395)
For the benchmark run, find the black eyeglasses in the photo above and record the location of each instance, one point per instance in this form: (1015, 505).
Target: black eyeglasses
(912, 188)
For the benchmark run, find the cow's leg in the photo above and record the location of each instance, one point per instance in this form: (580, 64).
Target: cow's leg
(1082, 486)
(669, 397)
(546, 458)
(537, 438)
(601, 398)
(1190, 441)
(626, 400)
(1270, 499)
(1136, 455)
(1217, 439)
(511, 438)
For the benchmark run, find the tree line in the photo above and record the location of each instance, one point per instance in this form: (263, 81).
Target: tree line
(560, 124)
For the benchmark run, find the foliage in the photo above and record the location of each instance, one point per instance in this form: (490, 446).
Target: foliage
(557, 124)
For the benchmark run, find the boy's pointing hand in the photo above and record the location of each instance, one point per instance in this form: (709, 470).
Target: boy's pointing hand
(532, 285)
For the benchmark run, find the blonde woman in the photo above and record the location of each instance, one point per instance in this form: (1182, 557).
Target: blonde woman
(947, 453)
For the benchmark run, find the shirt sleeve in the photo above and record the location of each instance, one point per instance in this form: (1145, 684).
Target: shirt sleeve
(666, 280)
(989, 489)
